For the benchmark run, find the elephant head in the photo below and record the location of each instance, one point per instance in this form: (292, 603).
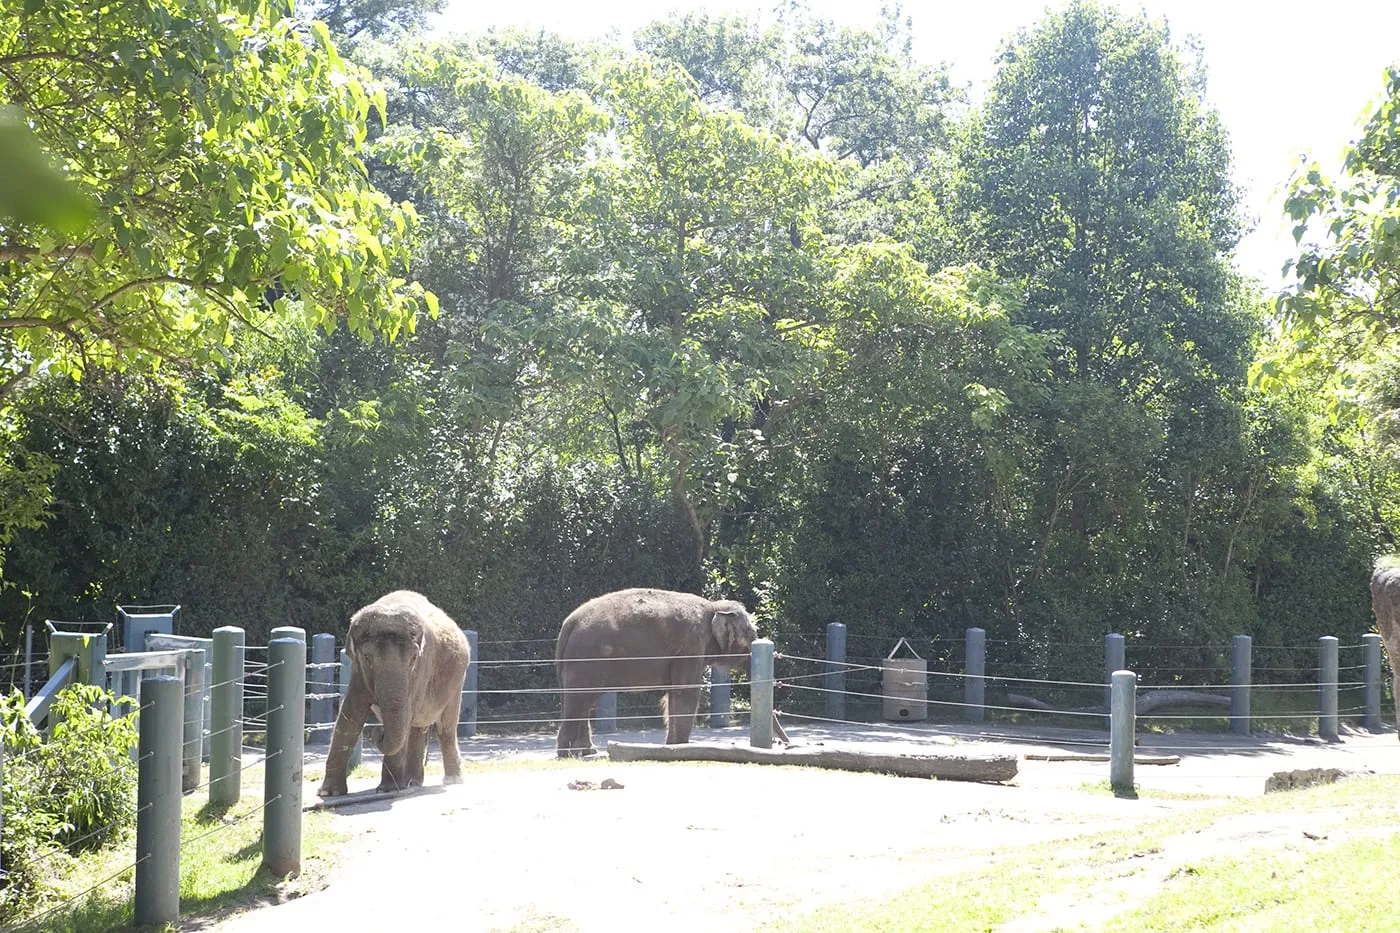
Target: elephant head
(388, 660)
(734, 633)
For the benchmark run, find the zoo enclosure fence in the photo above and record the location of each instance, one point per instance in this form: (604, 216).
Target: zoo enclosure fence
(274, 697)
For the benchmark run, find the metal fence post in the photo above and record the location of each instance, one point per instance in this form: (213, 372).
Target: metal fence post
(1115, 658)
(605, 716)
(353, 761)
(286, 726)
(466, 720)
(1371, 662)
(157, 897)
(1241, 680)
(761, 693)
(836, 670)
(1327, 687)
(720, 688)
(226, 717)
(194, 716)
(322, 687)
(975, 669)
(1122, 730)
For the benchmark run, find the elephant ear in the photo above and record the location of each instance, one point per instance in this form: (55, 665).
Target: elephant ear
(733, 630)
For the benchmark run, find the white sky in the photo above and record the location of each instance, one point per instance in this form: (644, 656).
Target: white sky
(1287, 77)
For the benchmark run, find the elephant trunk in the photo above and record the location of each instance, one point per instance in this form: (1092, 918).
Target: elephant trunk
(394, 712)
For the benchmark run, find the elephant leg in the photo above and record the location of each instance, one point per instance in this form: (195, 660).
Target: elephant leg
(394, 775)
(417, 753)
(575, 729)
(679, 705)
(349, 723)
(1395, 686)
(447, 740)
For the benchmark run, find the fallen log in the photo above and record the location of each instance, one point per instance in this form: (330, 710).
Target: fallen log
(943, 766)
(1094, 756)
(1147, 701)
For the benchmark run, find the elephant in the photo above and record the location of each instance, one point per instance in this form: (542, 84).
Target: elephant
(1385, 602)
(408, 663)
(646, 639)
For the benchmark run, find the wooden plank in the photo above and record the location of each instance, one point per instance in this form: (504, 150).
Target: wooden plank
(944, 766)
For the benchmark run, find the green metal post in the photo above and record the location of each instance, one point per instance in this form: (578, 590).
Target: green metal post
(286, 731)
(1241, 681)
(226, 717)
(1122, 730)
(761, 693)
(1327, 687)
(975, 683)
(1371, 662)
(194, 717)
(157, 900)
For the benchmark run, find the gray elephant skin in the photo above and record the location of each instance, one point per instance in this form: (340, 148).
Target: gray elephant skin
(1385, 602)
(645, 639)
(408, 661)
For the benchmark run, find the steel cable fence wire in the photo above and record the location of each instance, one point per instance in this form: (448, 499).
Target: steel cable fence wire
(892, 728)
(953, 703)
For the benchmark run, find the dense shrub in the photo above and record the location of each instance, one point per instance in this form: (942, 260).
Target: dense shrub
(71, 792)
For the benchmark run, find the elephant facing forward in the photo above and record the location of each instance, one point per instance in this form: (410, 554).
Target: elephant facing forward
(408, 661)
(644, 639)
(1385, 601)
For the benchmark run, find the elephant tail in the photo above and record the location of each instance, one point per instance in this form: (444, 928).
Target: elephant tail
(560, 649)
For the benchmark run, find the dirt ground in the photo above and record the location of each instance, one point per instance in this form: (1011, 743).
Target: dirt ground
(691, 847)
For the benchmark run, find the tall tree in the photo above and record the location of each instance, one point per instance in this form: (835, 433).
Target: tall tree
(1099, 177)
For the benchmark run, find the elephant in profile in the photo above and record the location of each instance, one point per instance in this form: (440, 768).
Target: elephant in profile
(645, 639)
(408, 662)
(1385, 602)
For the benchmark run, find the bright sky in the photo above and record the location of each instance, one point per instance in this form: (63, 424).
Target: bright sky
(1287, 77)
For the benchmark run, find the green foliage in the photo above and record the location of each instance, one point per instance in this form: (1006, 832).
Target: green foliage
(72, 791)
(1348, 284)
(32, 192)
(222, 148)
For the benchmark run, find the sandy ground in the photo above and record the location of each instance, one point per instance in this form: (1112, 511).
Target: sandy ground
(690, 847)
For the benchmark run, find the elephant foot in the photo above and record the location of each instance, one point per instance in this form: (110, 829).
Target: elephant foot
(332, 789)
(588, 752)
(452, 779)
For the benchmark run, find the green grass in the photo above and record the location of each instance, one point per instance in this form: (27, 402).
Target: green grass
(220, 867)
(1303, 885)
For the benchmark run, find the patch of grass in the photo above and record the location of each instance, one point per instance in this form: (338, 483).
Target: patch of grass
(1104, 788)
(1297, 888)
(220, 867)
(1331, 888)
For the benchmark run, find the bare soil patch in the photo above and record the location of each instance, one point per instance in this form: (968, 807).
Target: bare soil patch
(687, 847)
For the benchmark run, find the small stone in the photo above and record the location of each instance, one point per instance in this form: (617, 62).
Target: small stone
(610, 784)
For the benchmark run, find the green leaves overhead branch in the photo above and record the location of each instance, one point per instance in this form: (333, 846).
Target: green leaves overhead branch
(222, 149)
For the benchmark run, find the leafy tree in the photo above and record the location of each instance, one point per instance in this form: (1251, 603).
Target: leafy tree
(222, 148)
(1098, 177)
(1349, 282)
(696, 275)
(354, 19)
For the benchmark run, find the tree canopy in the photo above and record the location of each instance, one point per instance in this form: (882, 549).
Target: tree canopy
(773, 310)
